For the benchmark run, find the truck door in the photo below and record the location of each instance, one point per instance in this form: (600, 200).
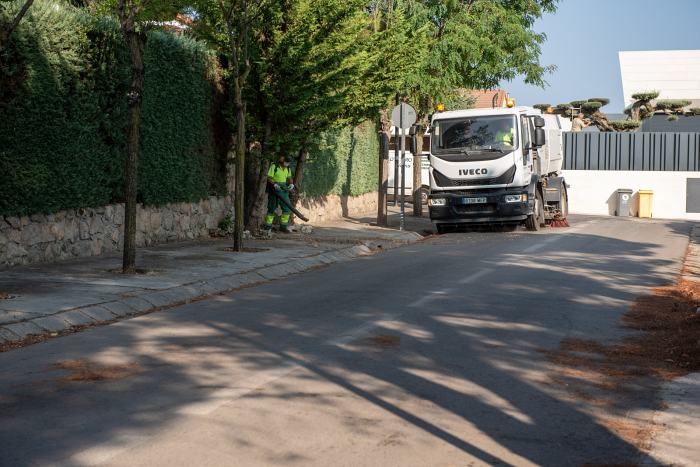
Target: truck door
(526, 147)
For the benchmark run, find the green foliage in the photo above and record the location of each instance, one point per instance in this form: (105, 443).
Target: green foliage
(226, 224)
(645, 95)
(625, 125)
(318, 71)
(343, 162)
(178, 153)
(671, 104)
(63, 127)
(591, 106)
(694, 111)
(672, 118)
(475, 46)
(577, 103)
(603, 100)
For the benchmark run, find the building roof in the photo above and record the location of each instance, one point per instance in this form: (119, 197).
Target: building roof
(488, 98)
(674, 73)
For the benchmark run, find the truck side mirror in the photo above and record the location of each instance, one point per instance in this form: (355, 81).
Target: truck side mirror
(539, 122)
(539, 139)
(413, 142)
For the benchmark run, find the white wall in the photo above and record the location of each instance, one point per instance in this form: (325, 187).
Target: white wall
(676, 73)
(595, 191)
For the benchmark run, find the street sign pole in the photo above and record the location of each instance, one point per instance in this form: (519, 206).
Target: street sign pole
(402, 224)
(402, 117)
(396, 165)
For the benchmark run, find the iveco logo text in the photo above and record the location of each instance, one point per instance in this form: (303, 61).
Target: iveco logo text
(473, 171)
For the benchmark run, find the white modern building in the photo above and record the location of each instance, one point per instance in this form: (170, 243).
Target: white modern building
(675, 73)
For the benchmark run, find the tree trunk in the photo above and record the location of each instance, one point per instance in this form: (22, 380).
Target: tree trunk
(417, 177)
(5, 33)
(136, 42)
(301, 162)
(256, 192)
(601, 121)
(239, 202)
(383, 182)
(259, 207)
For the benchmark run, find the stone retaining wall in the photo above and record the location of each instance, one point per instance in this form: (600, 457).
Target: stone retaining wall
(93, 231)
(334, 207)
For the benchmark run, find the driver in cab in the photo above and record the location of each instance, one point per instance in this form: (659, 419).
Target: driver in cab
(504, 134)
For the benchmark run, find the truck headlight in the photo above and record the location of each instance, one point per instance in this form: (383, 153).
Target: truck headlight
(516, 198)
(437, 202)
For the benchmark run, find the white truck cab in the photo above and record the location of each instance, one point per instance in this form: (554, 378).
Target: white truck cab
(496, 166)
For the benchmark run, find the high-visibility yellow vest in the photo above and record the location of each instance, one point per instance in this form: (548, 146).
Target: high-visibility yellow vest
(279, 174)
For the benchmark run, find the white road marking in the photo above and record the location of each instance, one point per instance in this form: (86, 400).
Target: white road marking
(225, 395)
(535, 247)
(361, 331)
(423, 300)
(473, 277)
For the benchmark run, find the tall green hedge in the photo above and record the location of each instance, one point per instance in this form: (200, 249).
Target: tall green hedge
(63, 116)
(343, 162)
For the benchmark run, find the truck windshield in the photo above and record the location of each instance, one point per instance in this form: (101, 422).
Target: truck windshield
(485, 133)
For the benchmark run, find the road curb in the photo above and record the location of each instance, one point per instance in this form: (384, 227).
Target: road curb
(66, 321)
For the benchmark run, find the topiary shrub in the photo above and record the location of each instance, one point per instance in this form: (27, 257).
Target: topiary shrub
(625, 125)
(672, 105)
(603, 100)
(645, 95)
(591, 106)
(577, 103)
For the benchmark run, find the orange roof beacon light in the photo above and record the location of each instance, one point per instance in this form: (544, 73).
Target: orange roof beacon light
(510, 103)
(440, 107)
(550, 110)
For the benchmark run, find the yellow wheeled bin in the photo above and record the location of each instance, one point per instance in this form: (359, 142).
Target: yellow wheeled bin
(646, 200)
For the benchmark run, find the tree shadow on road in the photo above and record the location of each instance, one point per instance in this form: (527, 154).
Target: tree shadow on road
(464, 367)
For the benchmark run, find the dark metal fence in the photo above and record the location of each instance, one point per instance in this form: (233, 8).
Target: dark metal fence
(678, 152)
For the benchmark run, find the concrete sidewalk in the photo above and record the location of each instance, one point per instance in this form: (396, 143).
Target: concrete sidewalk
(50, 299)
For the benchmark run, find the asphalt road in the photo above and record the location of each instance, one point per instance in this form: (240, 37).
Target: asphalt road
(429, 354)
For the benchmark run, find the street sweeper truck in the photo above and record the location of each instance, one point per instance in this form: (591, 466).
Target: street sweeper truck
(497, 166)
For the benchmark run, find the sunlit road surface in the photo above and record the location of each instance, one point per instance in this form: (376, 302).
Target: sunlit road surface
(430, 354)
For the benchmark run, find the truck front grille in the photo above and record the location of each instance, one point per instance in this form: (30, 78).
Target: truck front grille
(443, 180)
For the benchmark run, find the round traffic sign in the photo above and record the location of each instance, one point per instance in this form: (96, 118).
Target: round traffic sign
(403, 116)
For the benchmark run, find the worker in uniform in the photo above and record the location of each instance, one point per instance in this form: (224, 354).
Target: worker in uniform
(279, 182)
(578, 123)
(504, 133)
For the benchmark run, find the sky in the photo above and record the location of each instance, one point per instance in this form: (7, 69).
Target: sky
(584, 37)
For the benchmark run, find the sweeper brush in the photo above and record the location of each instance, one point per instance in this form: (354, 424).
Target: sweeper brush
(559, 221)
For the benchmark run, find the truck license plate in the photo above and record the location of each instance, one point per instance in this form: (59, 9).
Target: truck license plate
(473, 200)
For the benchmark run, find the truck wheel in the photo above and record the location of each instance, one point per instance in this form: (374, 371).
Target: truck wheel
(564, 203)
(424, 192)
(535, 221)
